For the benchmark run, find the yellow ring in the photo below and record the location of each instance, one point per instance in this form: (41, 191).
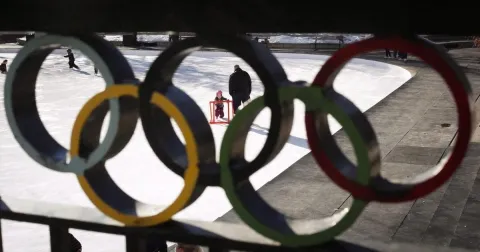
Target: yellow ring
(190, 175)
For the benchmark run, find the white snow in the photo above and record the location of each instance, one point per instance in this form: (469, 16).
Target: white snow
(114, 37)
(294, 40)
(281, 38)
(152, 38)
(61, 93)
(319, 39)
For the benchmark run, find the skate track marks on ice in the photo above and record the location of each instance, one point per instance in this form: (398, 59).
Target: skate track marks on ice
(61, 93)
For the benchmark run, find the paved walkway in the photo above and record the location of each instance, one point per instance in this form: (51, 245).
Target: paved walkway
(415, 126)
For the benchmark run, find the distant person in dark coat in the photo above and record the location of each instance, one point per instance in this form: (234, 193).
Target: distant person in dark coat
(266, 42)
(3, 67)
(71, 59)
(395, 54)
(341, 41)
(387, 53)
(239, 87)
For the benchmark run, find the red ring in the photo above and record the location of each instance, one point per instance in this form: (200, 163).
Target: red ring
(458, 85)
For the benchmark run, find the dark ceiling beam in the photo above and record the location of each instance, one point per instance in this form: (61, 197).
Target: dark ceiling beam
(453, 18)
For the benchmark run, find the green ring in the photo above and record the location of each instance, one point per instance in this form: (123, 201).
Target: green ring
(315, 100)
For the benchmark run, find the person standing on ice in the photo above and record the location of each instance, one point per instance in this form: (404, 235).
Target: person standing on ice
(71, 59)
(387, 53)
(3, 67)
(219, 105)
(239, 87)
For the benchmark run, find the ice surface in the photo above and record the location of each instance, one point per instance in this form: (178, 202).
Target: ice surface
(61, 93)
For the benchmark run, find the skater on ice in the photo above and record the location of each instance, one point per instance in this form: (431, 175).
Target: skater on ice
(3, 67)
(71, 59)
(219, 105)
(239, 87)
(387, 54)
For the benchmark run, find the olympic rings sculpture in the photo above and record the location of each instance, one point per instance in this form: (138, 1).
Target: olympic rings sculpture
(156, 100)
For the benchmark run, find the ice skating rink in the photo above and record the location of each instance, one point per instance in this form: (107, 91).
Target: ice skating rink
(61, 93)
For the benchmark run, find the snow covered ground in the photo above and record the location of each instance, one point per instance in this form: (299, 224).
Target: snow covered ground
(290, 38)
(61, 93)
(310, 39)
(281, 38)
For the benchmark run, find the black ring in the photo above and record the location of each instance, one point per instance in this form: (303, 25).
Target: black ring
(23, 113)
(158, 128)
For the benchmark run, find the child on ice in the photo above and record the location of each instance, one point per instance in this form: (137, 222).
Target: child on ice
(71, 59)
(219, 105)
(3, 67)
